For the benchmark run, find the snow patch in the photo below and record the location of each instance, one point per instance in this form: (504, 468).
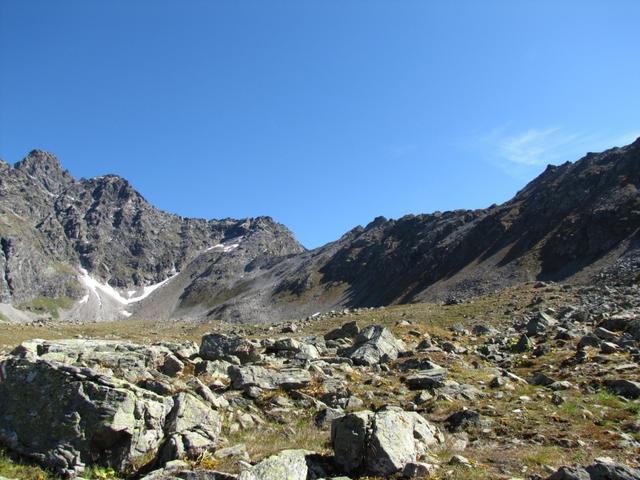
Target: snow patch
(84, 299)
(125, 313)
(96, 286)
(225, 247)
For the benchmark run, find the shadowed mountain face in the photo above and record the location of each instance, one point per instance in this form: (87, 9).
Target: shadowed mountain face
(561, 223)
(570, 223)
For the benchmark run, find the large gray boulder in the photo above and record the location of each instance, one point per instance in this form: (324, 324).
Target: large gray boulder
(191, 427)
(603, 469)
(375, 344)
(218, 346)
(69, 404)
(122, 359)
(65, 417)
(244, 377)
(432, 378)
(381, 443)
(286, 465)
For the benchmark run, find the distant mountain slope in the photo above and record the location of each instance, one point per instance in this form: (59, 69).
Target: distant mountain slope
(571, 222)
(52, 226)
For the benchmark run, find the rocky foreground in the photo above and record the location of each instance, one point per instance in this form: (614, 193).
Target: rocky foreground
(553, 392)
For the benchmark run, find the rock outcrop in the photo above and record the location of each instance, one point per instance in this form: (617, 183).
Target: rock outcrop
(98, 414)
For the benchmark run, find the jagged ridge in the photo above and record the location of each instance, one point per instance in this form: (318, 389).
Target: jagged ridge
(569, 223)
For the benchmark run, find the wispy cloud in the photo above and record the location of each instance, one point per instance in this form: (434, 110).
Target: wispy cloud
(519, 153)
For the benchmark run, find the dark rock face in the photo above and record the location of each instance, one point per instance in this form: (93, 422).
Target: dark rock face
(572, 214)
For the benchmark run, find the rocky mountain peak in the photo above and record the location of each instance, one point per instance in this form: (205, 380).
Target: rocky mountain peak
(45, 169)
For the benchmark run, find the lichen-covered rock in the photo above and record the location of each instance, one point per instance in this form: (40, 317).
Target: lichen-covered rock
(432, 378)
(348, 330)
(218, 346)
(71, 403)
(381, 443)
(65, 417)
(122, 359)
(191, 428)
(286, 465)
(244, 377)
(570, 473)
(375, 344)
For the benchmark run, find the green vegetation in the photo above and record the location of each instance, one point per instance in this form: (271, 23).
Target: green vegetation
(62, 268)
(14, 468)
(73, 288)
(203, 297)
(47, 305)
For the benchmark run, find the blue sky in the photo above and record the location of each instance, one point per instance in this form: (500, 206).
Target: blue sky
(322, 114)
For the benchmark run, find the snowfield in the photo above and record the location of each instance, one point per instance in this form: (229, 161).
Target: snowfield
(225, 248)
(97, 288)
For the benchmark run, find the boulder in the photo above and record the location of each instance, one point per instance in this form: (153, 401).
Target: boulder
(213, 368)
(524, 344)
(432, 378)
(325, 417)
(603, 469)
(624, 388)
(191, 427)
(539, 324)
(484, 330)
(381, 443)
(633, 328)
(419, 470)
(172, 366)
(349, 438)
(589, 340)
(541, 378)
(607, 470)
(244, 377)
(179, 470)
(348, 330)
(570, 473)
(286, 465)
(336, 392)
(93, 420)
(462, 420)
(218, 346)
(375, 344)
